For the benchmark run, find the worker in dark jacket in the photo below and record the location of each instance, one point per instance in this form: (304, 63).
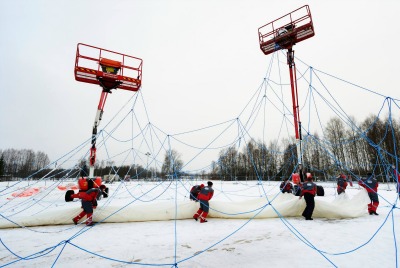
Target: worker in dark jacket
(194, 192)
(308, 190)
(286, 187)
(205, 195)
(341, 183)
(371, 185)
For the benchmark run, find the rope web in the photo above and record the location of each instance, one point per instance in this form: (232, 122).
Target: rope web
(258, 135)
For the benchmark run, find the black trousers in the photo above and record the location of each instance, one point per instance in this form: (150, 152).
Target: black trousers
(310, 204)
(204, 205)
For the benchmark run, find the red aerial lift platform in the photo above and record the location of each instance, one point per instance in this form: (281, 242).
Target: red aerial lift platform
(107, 68)
(286, 31)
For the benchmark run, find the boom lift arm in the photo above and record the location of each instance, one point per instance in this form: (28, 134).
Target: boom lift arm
(284, 33)
(110, 70)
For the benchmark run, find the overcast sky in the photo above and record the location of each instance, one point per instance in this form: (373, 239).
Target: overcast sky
(201, 60)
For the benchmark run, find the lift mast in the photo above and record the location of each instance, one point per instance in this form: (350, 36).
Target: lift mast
(284, 33)
(110, 70)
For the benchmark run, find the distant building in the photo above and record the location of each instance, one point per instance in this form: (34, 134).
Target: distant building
(110, 178)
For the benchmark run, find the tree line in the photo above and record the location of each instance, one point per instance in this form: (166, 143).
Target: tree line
(347, 147)
(355, 149)
(22, 163)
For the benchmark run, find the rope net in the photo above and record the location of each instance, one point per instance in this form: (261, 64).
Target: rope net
(246, 156)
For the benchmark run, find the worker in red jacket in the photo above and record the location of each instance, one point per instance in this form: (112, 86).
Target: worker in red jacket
(89, 202)
(341, 183)
(205, 195)
(371, 185)
(308, 190)
(286, 187)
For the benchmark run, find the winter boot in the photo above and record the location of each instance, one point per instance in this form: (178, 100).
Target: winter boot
(203, 217)
(370, 208)
(89, 221)
(77, 218)
(374, 207)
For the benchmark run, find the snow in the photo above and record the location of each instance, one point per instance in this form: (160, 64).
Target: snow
(250, 224)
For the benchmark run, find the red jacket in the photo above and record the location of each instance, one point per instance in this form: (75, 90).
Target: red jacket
(206, 193)
(90, 195)
(341, 183)
(286, 187)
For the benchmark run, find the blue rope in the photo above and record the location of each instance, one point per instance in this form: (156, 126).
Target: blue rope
(151, 135)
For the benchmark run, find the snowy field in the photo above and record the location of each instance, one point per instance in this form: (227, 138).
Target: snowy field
(149, 224)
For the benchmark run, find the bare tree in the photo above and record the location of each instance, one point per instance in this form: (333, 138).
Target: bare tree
(42, 160)
(172, 164)
(274, 154)
(227, 161)
(335, 134)
(374, 130)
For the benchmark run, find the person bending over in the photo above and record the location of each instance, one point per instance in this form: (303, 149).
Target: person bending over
(204, 197)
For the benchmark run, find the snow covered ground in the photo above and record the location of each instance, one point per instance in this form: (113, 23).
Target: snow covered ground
(250, 225)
